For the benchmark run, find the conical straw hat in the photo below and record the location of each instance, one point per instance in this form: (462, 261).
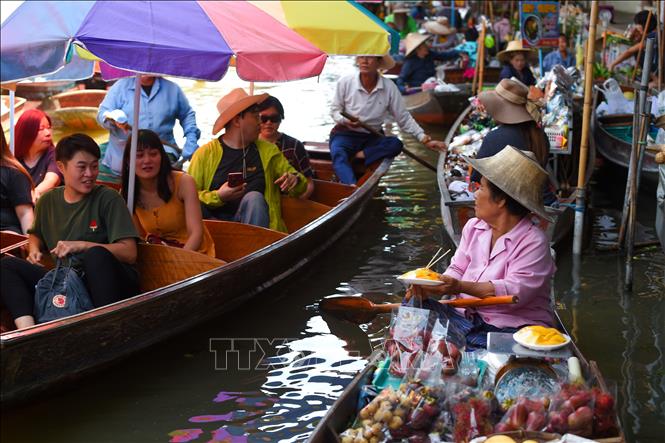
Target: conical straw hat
(413, 40)
(518, 174)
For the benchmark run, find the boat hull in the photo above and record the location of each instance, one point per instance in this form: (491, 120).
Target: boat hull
(438, 108)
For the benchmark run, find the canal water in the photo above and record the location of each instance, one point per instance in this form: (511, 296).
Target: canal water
(188, 389)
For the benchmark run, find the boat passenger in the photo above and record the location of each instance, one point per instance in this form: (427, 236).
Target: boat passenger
(265, 172)
(271, 114)
(560, 56)
(34, 149)
(502, 252)
(166, 204)
(16, 213)
(517, 119)
(515, 63)
(419, 62)
(369, 97)
(162, 102)
(401, 21)
(640, 21)
(445, 37)
(81, 220)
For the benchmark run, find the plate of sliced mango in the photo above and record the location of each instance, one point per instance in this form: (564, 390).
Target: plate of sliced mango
(541, 338)
(420, 276)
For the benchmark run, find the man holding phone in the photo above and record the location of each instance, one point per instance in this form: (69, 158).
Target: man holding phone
(238, 176)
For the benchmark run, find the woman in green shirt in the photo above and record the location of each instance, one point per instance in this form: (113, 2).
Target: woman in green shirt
(82, 220)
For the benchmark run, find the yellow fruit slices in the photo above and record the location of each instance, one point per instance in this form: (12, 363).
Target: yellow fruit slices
(540, 335)
(425, 273)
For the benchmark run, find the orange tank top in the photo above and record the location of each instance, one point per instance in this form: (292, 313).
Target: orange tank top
(168, 221)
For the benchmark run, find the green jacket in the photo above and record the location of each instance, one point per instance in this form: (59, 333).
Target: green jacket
(207, 157)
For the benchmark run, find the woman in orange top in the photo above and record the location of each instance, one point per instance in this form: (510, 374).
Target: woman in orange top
(166, 204)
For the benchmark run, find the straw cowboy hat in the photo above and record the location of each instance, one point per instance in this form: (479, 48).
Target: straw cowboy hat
(518, 174)
(508, 103)
(514, 46)
(439, 27)
(386, 62)
(233, 104)
(413, 40)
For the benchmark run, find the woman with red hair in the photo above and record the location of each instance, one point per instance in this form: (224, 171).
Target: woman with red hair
(17, 213)
(34, 149)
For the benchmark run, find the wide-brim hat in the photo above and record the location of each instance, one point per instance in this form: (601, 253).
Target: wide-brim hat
(386, 61)
(413, 40)
(401, 8)
(514, 46)
(508, 102)
(660, 121)
(233, 104)
(438, 27)
(518, 174)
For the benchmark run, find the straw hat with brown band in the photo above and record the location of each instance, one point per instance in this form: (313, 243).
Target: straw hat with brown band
(518, 174)
(233, 104)
(514, 47)
(508, 103)
(413, 40)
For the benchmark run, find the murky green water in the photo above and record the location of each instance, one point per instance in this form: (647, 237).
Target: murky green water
(172, 391)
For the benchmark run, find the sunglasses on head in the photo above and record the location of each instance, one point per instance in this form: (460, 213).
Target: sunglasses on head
(275, 118)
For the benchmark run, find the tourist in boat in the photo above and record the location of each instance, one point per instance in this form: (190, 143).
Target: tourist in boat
(81, 220)
(640, 20)
(271, 114)
(559, 56)
(34, 149)
(166, 204)
(401, 21)
(502, 252)
(369, 97)
(515, 63)
(263, 172)
(17, 212)
(419, 62)
(162, 103)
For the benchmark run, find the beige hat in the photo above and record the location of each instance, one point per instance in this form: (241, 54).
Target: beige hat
(233, 104)
(518, 174)
(439, 27)
(386, 62)
(513, 47)
(400, 8)
(508, 103)
(413, 40)
(660, 121)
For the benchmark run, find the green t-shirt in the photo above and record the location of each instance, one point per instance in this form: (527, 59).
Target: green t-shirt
(101, 217)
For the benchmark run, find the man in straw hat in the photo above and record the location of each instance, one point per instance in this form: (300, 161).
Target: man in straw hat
(370, 98)
(515, 62)
(502, 251)
(255, 197)
(419, 62)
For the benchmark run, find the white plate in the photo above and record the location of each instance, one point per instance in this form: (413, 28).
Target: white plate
(410, 279)
(541, 347)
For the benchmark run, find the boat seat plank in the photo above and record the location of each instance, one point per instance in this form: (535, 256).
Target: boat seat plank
(296, 213)
(10, 240)
(329, 193)
(160, 265)
(237, 240)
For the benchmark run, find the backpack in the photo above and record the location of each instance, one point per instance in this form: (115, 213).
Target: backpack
(60, 293)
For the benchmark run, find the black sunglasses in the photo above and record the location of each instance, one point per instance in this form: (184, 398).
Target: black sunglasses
(275, 118)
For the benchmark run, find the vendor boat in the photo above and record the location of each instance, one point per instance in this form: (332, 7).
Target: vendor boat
(180, 288)
(42, 90)
(76, 111)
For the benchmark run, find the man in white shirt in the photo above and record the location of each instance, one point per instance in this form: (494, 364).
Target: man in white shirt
(371, 98)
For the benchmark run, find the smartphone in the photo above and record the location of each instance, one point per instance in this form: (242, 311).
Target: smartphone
(235, 179)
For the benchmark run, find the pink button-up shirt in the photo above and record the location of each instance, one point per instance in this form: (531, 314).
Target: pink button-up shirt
(520, 264)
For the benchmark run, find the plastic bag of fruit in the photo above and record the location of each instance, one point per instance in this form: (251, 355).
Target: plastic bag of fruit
(409, 333)
(387, 413)
(571, 411)
(605, 422)
(525, 415)
(469, 412)
(443, 350)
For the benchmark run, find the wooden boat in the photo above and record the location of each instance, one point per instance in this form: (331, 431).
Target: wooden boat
(19, 105)
(76, 111)
(42, 90)
(342, 412)
(182, 288)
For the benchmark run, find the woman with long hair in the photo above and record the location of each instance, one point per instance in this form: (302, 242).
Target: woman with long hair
(17, 213)
(166, 203)
(34, 149)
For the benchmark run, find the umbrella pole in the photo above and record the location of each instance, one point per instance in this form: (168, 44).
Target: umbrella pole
(132, 152)
(586, 120)
(12, 135)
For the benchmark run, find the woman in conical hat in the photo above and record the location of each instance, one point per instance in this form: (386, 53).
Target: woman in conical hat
(515, 59)
(419, 63)
(502, 252)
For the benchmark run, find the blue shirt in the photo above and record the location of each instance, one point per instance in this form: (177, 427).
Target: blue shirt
(555, 58)
(526, 76)
(416, 70)
(158, 112)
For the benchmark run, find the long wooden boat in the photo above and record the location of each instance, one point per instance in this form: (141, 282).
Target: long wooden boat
(42, 90)
(182, 288)
(76, 111)
(19, 104)
(342, 413)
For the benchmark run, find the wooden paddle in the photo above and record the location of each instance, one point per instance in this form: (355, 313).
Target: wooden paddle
(361, 310)
(408, 153)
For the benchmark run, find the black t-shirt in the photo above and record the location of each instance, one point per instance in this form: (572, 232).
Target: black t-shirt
(46, 163)
(14, 191)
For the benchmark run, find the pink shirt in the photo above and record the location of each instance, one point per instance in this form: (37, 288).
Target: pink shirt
(520, 264)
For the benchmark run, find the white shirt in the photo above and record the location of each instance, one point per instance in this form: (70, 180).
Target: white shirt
(372, 108)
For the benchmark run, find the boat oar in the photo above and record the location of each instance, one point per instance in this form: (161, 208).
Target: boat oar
(423, 162)
(361, 310)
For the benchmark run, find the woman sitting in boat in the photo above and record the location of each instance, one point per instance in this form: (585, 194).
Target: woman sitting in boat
(502, 252)
(271, 114)
(515, 63)
(517, 118)
(82, 220)
(419, 63)
(34, 149)
(17, 212)
(166, 203)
